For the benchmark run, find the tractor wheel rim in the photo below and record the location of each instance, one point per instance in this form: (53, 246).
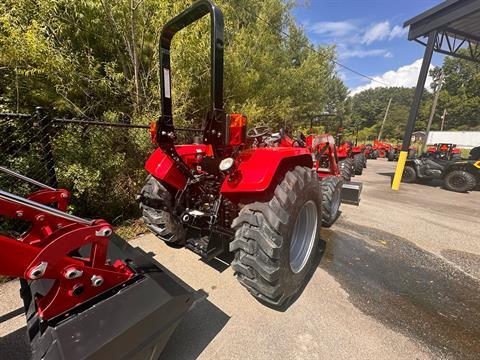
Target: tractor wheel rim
(458, 181)
(335, 203)
(303, 236)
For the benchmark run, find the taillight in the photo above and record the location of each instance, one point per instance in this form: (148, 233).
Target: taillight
(153, 132)
(237, 129)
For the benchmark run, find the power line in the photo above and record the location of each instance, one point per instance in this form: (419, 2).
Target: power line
(315, 50)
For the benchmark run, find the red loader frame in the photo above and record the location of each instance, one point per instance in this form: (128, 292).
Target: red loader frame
(75, 297)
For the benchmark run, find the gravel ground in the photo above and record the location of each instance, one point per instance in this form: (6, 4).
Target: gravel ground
(398, 278)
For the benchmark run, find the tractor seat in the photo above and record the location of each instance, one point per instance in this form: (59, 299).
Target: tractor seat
(439, 164)
(475, 153)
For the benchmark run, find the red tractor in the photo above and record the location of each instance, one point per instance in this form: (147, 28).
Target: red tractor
(87, 293)
(394, 152)
(323, 149)
(217, 196)
(334, 185)
(351, 159)
(371, 152)
(359, 158)
(382, 148)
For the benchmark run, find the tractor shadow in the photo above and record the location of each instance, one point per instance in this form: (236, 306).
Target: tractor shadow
(431, 183)
(220, 263)
(434, 183)
(198, 328)
(15, 345)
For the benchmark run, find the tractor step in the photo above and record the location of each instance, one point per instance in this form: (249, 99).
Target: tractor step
(133, 321)
(351, 192)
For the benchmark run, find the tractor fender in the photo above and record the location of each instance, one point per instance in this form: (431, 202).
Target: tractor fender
(257, 171)
(162, 167)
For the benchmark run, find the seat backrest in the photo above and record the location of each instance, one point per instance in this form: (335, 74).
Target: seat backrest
(475, 153)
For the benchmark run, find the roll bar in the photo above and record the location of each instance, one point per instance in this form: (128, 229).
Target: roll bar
(195, 12)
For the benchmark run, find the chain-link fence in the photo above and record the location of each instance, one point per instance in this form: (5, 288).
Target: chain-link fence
(100, 163)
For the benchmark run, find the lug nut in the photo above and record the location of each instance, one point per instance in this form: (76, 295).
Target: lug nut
(19, 213)
(97, 280)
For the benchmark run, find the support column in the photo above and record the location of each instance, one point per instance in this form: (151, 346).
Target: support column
(422, 77)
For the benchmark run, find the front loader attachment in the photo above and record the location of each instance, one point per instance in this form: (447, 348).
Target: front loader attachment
(132, 321)
(87, 293)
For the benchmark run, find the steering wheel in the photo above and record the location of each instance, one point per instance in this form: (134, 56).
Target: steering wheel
(258, 132)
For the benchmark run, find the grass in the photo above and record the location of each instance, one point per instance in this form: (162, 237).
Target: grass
(4, 279)
(130, 229)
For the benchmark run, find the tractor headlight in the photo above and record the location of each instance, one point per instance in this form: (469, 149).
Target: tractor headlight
(226, 164)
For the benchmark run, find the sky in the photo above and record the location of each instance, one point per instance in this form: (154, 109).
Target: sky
(369, 37)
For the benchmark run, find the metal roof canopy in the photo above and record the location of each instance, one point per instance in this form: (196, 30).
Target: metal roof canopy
(447, 27)
(457, 26)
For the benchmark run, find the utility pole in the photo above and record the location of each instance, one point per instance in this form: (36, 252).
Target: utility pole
(443, 118)
(438, 82)
(384, 118)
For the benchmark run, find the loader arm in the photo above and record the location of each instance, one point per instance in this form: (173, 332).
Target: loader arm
(87, 293)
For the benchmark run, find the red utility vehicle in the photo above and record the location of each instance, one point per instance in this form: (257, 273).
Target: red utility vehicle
(218, 196)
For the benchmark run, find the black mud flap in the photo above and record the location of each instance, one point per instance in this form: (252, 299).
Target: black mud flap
(133, 321)
(351, 192)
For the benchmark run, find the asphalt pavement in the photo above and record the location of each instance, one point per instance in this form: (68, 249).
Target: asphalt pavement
(398, 278)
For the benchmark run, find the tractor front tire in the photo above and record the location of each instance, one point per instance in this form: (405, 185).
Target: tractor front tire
(460, 181)
(359, 163)
(409, 174)
(346, 169)
(331, 199)
(276, 242)
(155, 197)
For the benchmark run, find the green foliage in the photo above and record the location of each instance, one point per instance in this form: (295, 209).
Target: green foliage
(368, 111)
(90, 57)
(99, 59)
(460, 96)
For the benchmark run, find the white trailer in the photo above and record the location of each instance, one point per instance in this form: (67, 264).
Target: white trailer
(463, 139)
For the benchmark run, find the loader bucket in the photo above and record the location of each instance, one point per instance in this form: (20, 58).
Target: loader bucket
(132, 321)
(351, 192)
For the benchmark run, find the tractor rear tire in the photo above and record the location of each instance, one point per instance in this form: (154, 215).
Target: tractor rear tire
(391, 155)
(409, 174)
(163, 224)
(359, 162)
(331, 199)
(375, 154)
(276, 242)
(345, 169)
(460, 181)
